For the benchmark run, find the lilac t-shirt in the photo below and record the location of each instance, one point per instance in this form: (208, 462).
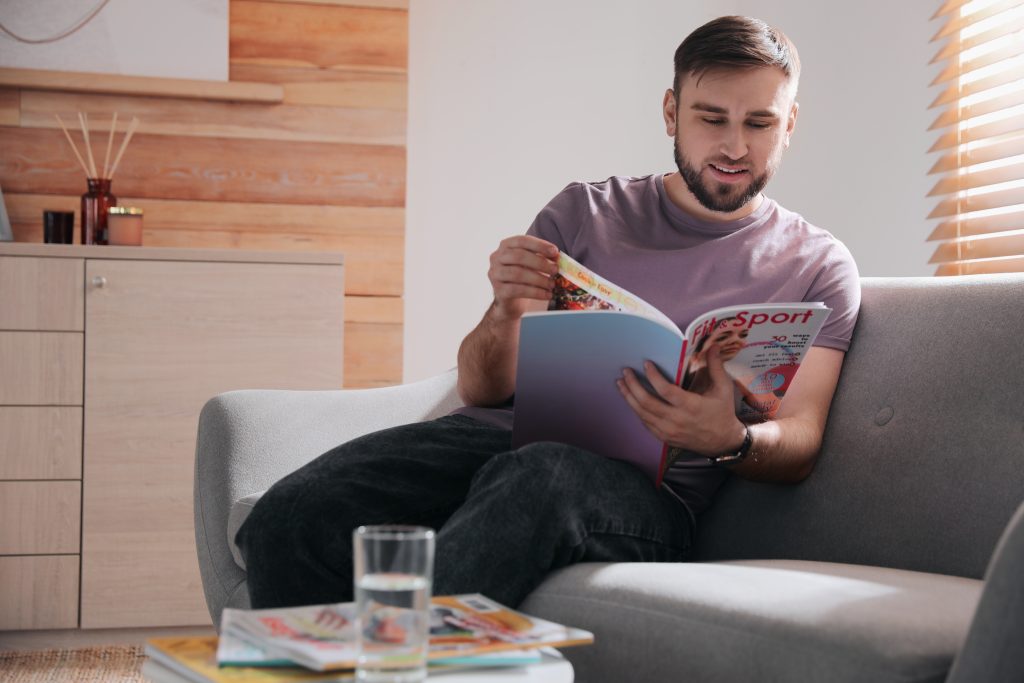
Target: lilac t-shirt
(631, 233)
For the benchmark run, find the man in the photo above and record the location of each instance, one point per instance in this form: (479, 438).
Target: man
(686, 242)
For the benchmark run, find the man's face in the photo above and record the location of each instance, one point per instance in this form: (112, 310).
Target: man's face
(730, 130)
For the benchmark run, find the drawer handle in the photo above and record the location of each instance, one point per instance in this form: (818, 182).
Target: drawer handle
(99, 282)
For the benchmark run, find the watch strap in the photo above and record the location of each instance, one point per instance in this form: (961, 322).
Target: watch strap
(740, 454)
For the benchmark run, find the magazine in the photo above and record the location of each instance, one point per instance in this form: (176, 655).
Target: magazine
(238, 648)
(195, 659)
(571, 355)
(465, 630)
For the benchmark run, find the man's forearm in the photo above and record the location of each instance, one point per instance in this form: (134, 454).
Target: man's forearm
(783, 450)
(487, 361)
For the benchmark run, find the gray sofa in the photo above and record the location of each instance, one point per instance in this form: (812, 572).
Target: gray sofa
(901, 558)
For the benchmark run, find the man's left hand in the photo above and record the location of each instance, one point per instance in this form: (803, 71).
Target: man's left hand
(703, 423)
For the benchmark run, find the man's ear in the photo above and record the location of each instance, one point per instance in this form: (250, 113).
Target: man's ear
(791, 123)
(668, 110)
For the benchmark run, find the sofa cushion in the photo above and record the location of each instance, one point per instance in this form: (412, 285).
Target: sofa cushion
(759, 621)
(238, 513)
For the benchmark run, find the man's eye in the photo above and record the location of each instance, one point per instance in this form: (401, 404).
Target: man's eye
(759, 126)
(714, 122)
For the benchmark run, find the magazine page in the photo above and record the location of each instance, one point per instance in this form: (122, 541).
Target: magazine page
(762, 346)
(323, 637)
(577, 288)
(465, 624)
(235, 647)
(195, 658)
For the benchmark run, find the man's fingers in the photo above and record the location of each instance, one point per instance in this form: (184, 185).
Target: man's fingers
(527, 251)
(509, 291)
(530, 243)
(651, 404)
(668, 391)
(519, 274)
(650, 420)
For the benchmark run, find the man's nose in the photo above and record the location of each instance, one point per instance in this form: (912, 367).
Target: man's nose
(733, 143)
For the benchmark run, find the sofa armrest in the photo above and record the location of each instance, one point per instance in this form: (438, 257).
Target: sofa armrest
(992, 651)
(247, 440)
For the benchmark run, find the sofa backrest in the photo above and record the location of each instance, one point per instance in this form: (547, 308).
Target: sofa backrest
(922, 464)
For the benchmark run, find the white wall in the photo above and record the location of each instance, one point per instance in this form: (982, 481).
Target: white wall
(858, 163)
(508, 102)
(179, 39)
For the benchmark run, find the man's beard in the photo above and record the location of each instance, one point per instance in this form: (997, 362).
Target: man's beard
(723, 199)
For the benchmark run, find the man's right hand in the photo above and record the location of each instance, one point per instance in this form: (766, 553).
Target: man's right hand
(522, 276)
(522, 273)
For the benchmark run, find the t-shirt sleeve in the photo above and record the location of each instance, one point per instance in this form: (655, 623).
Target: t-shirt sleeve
(838, 285)
(559, 221)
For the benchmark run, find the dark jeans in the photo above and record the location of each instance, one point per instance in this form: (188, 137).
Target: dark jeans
(504, 518)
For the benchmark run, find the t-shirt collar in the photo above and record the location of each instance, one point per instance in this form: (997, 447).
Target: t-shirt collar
(684, 219)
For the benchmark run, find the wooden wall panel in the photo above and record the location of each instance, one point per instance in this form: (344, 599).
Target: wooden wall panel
(331, 87)
(373, 340)
(214, 169)
(291, 34)
(393, 4)
(373, 353)
(10, 107)
(216, 119)
(323, 170)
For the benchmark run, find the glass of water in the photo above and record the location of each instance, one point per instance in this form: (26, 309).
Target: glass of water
(394, 569)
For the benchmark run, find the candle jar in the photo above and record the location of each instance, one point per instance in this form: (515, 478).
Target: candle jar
(95, 205)
(124, 226)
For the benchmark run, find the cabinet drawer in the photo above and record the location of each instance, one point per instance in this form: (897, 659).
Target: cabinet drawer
(40, 442)
(38, 592)
(40, 517)
(41, 368)
(41, 293)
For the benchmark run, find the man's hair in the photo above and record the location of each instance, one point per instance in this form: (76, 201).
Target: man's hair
(735, 42)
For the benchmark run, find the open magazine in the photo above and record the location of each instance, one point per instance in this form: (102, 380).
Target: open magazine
(465, 630)
(570, 357)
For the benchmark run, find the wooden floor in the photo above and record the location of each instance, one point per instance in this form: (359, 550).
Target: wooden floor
(75, 638)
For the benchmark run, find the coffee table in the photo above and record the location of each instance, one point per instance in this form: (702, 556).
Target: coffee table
(553, 668)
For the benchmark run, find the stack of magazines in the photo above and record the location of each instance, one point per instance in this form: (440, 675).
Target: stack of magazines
(319, 643)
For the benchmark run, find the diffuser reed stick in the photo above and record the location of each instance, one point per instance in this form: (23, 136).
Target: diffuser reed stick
(124, 144)
(83, 119)
(72, 143)
(110, 143)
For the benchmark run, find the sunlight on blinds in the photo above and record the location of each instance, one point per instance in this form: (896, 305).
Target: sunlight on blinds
(980, 168)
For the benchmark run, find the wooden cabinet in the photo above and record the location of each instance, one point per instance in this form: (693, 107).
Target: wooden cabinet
(107, 355)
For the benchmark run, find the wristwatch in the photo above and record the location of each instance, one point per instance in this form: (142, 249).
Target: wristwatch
(739, 455)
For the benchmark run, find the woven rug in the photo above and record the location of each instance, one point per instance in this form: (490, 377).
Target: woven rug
(111, 664)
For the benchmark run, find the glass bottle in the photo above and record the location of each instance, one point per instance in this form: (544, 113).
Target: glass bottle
(95, 204)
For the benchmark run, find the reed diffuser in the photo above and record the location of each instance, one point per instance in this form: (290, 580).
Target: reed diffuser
(98, 198)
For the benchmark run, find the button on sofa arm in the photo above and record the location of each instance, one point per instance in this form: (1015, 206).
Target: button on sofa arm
(994, 649)
(247, 440)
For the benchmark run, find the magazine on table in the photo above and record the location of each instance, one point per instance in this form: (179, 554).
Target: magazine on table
(194, 659)
(571, 355)
(465, 630)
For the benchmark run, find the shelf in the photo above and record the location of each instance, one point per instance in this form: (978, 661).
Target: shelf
(113, 84)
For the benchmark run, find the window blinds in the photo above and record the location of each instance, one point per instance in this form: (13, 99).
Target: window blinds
(980, 144)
